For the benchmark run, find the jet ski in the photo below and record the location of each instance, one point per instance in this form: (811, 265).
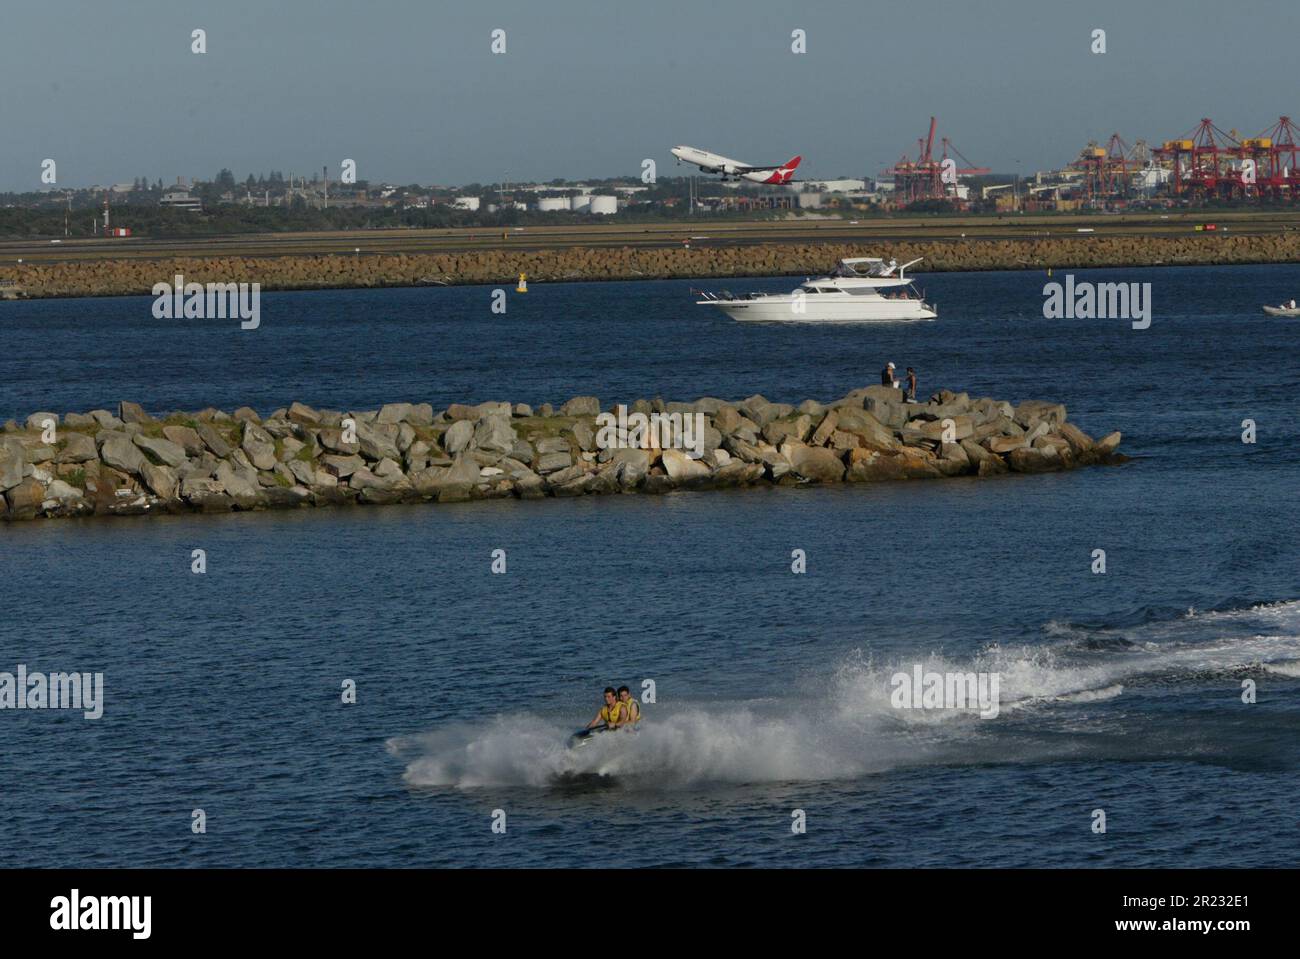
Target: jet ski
(586, 735)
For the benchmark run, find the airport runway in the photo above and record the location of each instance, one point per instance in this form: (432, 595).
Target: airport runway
(649, 235)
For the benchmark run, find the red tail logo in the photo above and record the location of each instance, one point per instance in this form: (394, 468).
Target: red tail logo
(784, 173)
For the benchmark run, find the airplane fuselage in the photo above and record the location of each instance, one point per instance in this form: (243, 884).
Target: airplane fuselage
(735, 169)
(709, 162)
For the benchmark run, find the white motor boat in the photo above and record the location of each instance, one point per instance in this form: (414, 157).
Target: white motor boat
(862, 289)
(1284, 310)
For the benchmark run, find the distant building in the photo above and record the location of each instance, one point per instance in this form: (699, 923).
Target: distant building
(465, 203)
(834, 186)
(181, 200)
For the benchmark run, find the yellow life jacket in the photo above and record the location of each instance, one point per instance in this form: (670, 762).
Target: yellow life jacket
(612, 714)
(631, 709)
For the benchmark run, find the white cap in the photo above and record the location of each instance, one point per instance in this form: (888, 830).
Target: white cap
(891, 366)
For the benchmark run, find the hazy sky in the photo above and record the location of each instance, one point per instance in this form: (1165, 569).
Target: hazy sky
(411, 91)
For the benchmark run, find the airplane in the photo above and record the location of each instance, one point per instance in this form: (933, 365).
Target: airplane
(734, 169)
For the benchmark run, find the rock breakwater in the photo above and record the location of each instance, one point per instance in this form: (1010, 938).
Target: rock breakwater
(138, 276)
(129, 462)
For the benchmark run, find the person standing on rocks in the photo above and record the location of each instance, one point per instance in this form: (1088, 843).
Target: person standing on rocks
(911, 385)
(887, 376)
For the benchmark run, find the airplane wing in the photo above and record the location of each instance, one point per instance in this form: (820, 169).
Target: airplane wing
(789, 164)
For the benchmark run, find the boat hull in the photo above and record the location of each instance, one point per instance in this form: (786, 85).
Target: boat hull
(783, 310)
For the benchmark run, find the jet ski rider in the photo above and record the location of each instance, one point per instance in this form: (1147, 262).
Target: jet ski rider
(612, 714)
(631, 708)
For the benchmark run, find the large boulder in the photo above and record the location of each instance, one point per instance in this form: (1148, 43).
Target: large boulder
(303, 414)
(460, 411)
(12, 461)
(552, 462)
(861, 423)
(378, 441)
(258, 446)
(638, 457)
(62, 492)
(798, 428)
(553, 444)
(962, 427)
(77, 448)
(206, 494)
(213, 441)
(170, 453)
(129, 412)
(495, 434)
(1004, 444)
(38, 421)
(581, 406)
(331, 438)
(240, 485)
(681, 468)
(121, 454)
(393, 413)
(106, 419)
(976, 454)
(458, 436)
(759, 410)
(186, 438)
(953, 460)
(742, 449)
(302, 472)
(1032, 412)
(814, 464)
(341, 467)
(1109, 443)
(449, 483)
(1079, 441)
(24, 499)
(893, 415)
(160, 480)
(867, 465)
(1030, 460)
(825, 429)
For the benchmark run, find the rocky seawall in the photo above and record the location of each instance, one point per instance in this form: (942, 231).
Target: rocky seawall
(138, 276)
(131, 463)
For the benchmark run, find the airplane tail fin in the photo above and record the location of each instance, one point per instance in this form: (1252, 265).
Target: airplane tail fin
(781, 174)
(786, 173)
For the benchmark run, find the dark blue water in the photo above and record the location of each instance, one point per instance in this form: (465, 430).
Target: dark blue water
(1120, 691)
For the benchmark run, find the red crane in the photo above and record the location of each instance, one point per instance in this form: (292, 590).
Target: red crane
(922, 178)
(1275, 153)
(1202, 162)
